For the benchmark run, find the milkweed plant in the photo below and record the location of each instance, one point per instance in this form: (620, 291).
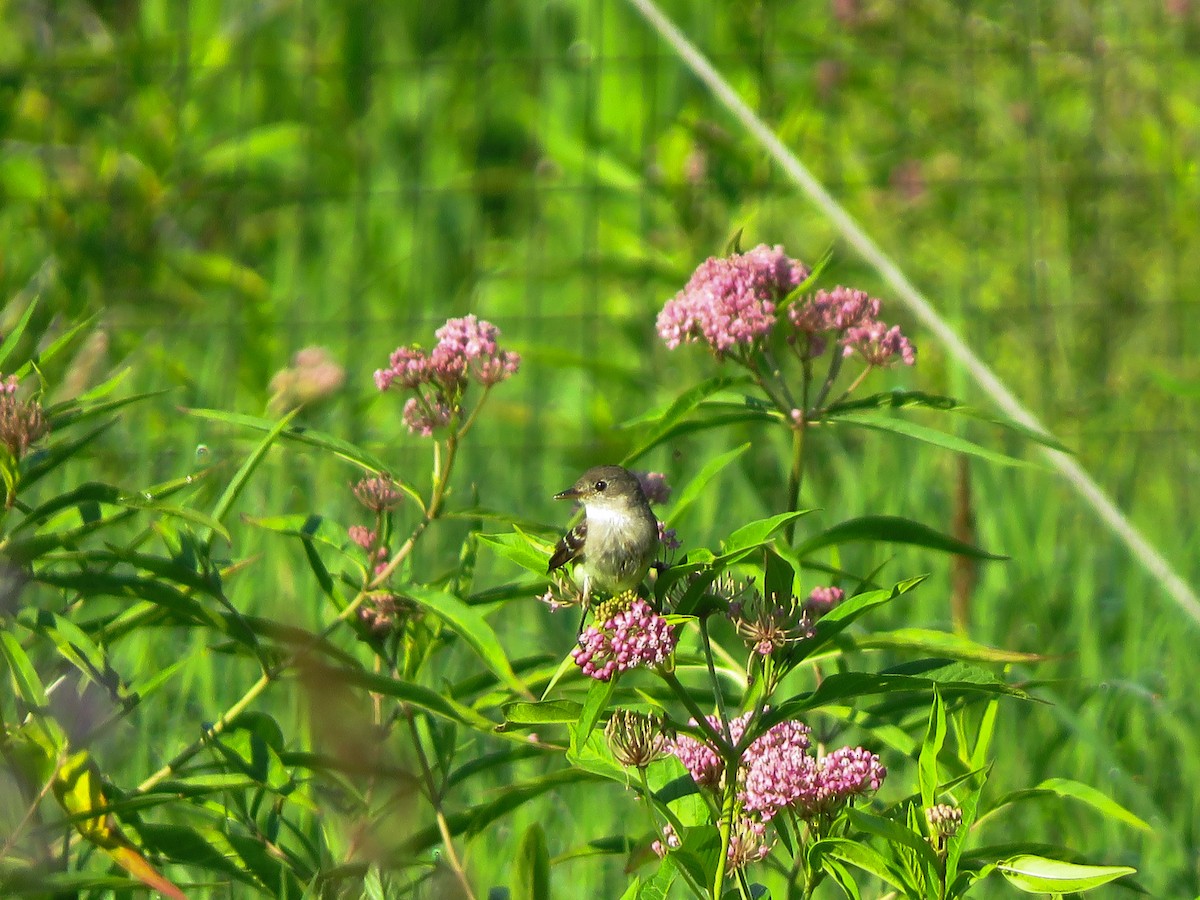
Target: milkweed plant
(726, 700)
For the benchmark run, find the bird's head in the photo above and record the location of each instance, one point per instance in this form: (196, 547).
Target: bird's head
(605, 486)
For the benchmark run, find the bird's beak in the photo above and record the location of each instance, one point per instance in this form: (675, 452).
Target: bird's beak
(568, 494)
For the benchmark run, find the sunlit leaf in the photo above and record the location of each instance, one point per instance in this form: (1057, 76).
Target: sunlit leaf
(890, 529)
(543, 712)
(468, 624)
(903, 399)
(1059, 788)
(301, 435)
(756, 533)
(1039, 875)
(946, 441)
(927, 763)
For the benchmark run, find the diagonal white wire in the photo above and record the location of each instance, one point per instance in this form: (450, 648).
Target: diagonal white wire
(1146, 554)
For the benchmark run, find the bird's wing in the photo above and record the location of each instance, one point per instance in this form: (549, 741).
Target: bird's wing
(570, 546)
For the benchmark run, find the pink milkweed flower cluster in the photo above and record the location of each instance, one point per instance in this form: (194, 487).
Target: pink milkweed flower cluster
(21, 421)
(730, 302)
(637, 636)
(852, 317)
(654, 486)
(766, 623)
(466, 351)
(379, 493)
(777, 772)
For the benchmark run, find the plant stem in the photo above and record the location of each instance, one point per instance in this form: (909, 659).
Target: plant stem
(722, 715)
(443, 826)
(796, 474)
(727, 809)
(701, 719)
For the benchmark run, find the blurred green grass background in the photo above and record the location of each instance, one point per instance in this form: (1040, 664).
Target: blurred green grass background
(224, 183)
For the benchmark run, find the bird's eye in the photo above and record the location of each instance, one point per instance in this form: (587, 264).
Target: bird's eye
(601, 485)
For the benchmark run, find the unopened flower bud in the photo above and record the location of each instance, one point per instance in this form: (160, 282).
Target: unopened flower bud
(636, 739)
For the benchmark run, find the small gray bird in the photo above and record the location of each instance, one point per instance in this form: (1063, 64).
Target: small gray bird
(617, 540)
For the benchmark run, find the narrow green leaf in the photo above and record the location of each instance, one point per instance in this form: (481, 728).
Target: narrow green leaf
(841, 686)
(891, 529)
(1038, 875)
(929, 436)
(694, 488)
(242, 476)
(18, 331)
(504, 801)
(672, 412)
(472, 628)
(301, 435)
(599, 695)
(429, 700)
(894, 832)
(927, 764)
(25, 679)
(306, 526)
(51, 350)
(710, 420)
(72, 412)
(1074, 790)
(755, 533)
(518, 547)
(542, 712)
(902, 399)
(940, 643)
(856, 854)
(39, 464)
(531, 867)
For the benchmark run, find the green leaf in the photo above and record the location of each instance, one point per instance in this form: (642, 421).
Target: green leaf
(856, 854)
(307, 527)
(252, 754)
(850, 610)
(184, 608)
(665, 416)
(694, 488)
(479, 817)
(927, 764)
(301, 435)
(599, 695)
(659, 887)
(902, 399)
(940, 643)
(242, 476)
(429, 700)
(51, 350)
(26, 683)
(471, 627)
(74, 644)
(543, 712)
(756, 533)
(1075, 790)
(38, 465)
(262, 149)
(1038, 875)
(891, 529)
(518, 547)
(841, 686)
(893, 832)
(72, 412)
(929, 436)
(714, 416)
(14, 337)
(531, 867)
